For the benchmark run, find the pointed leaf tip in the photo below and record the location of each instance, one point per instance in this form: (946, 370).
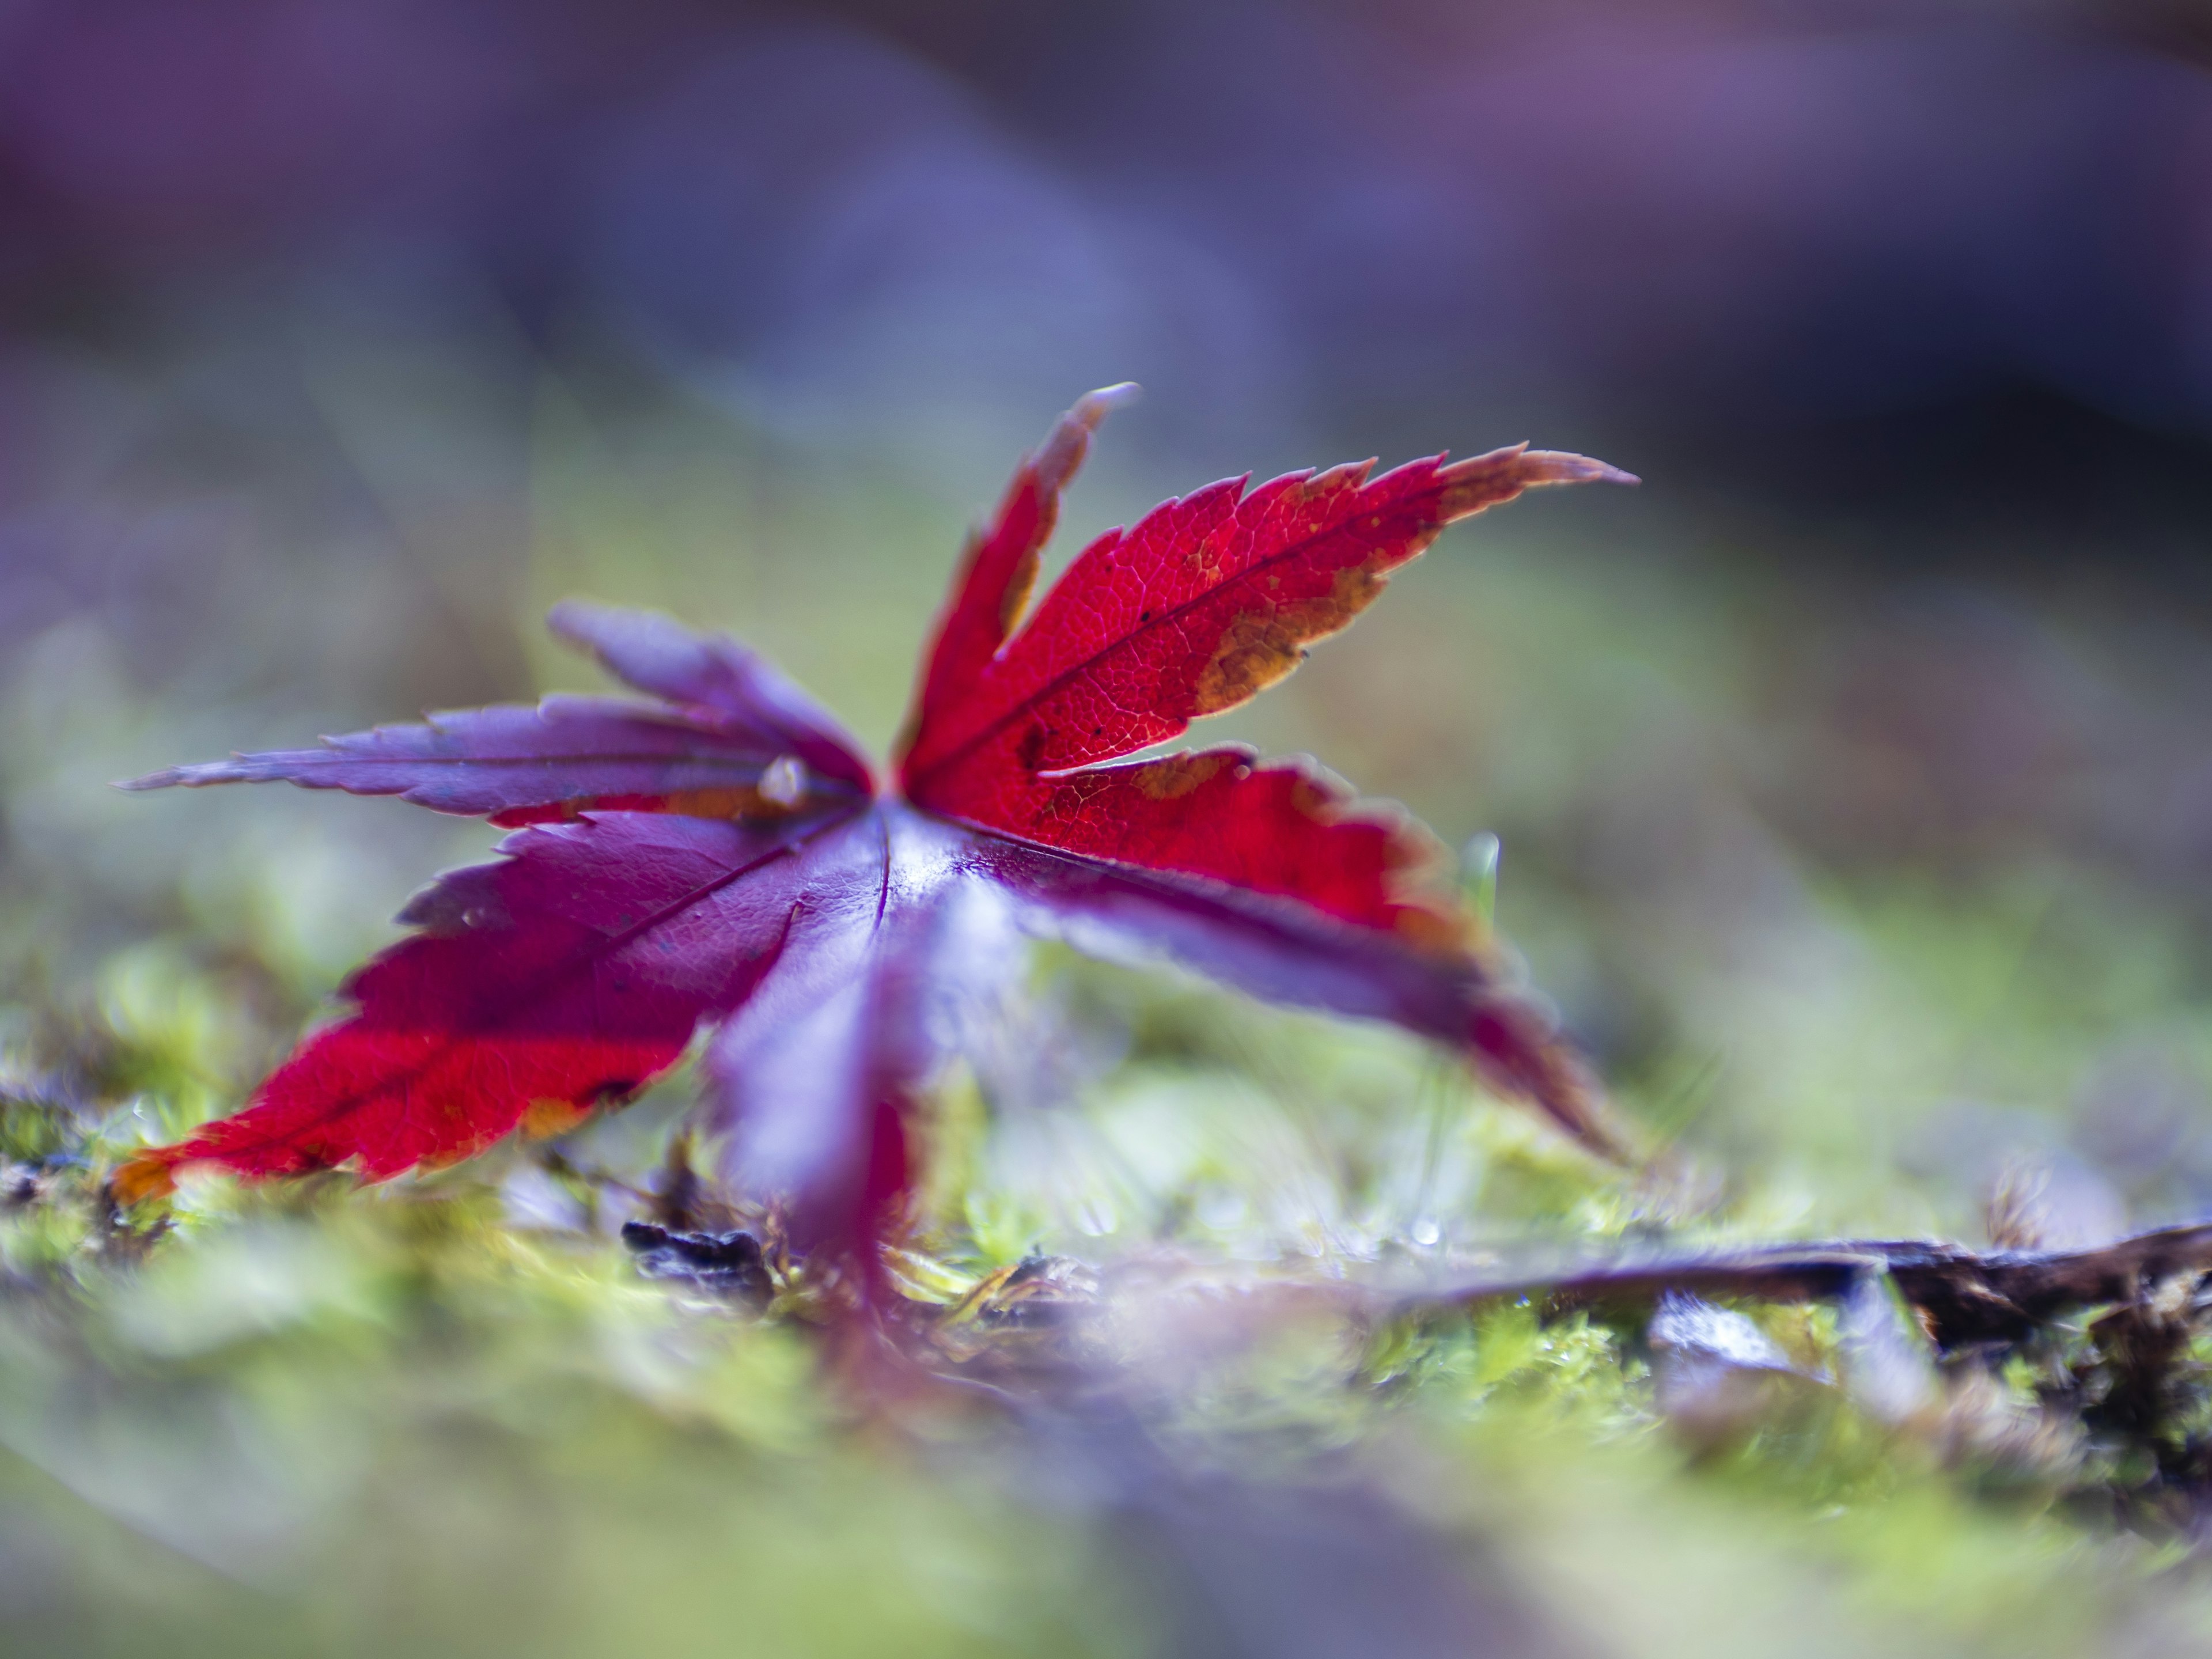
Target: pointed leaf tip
(187, 777)
(1562, 466)
(150, 1175)
(1093, 407)
(1065, 446)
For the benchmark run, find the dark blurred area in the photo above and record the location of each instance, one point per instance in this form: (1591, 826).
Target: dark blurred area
(1837, 252)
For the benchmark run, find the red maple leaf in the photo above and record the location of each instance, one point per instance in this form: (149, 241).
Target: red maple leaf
(721, 853)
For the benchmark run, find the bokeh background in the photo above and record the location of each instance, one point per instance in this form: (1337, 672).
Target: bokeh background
(1854, 775)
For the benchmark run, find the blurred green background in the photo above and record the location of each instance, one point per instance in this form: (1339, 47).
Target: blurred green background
(1852, 778)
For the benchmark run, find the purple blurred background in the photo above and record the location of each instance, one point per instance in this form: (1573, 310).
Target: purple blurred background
(1839, 253)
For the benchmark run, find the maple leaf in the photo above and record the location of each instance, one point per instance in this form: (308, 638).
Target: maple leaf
(719, 853)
